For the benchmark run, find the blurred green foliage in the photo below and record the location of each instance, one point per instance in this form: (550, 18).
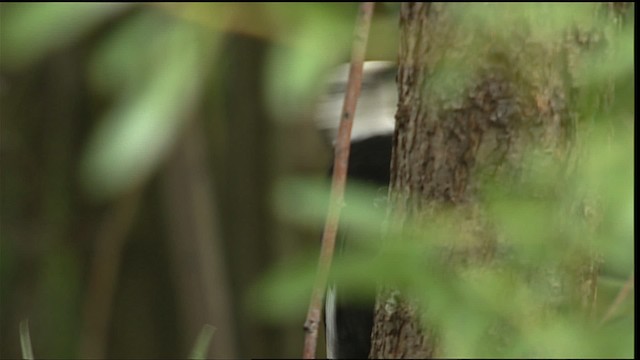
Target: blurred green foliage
(94, 99)
(29, 31)
(155, 66)
(152, 62)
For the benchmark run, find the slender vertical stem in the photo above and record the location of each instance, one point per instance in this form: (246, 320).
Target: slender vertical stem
(340, 165)
(624, 292)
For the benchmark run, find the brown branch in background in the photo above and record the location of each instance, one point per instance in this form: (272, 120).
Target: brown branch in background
(103, 277)
(613, 308)
(197, 255)
(340, 164)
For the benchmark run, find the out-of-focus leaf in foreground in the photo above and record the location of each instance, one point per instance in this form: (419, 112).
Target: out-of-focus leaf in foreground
(156, 66)
(281, 301)
(557, 226)
(321, 37)
(30, 30)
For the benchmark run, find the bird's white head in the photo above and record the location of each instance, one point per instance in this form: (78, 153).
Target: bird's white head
(376, 108)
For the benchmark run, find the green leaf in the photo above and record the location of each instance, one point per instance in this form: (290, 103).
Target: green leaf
(30, 30)
(320, 38)
(137, 133)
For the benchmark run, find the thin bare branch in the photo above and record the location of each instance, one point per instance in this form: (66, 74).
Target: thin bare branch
(613, 308)
(203, 290)
(340, 165)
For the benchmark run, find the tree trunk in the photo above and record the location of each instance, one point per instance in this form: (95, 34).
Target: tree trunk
(476, 99)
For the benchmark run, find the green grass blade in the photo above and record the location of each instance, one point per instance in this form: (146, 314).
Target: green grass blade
(199, 350)
(25, 340)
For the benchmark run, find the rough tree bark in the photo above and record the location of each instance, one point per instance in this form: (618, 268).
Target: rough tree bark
(473, 102)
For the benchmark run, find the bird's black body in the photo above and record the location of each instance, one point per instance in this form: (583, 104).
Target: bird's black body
(355, 322)
(348, 314)
(369, 160)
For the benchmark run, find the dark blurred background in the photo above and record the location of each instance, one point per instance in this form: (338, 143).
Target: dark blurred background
(139, 147)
